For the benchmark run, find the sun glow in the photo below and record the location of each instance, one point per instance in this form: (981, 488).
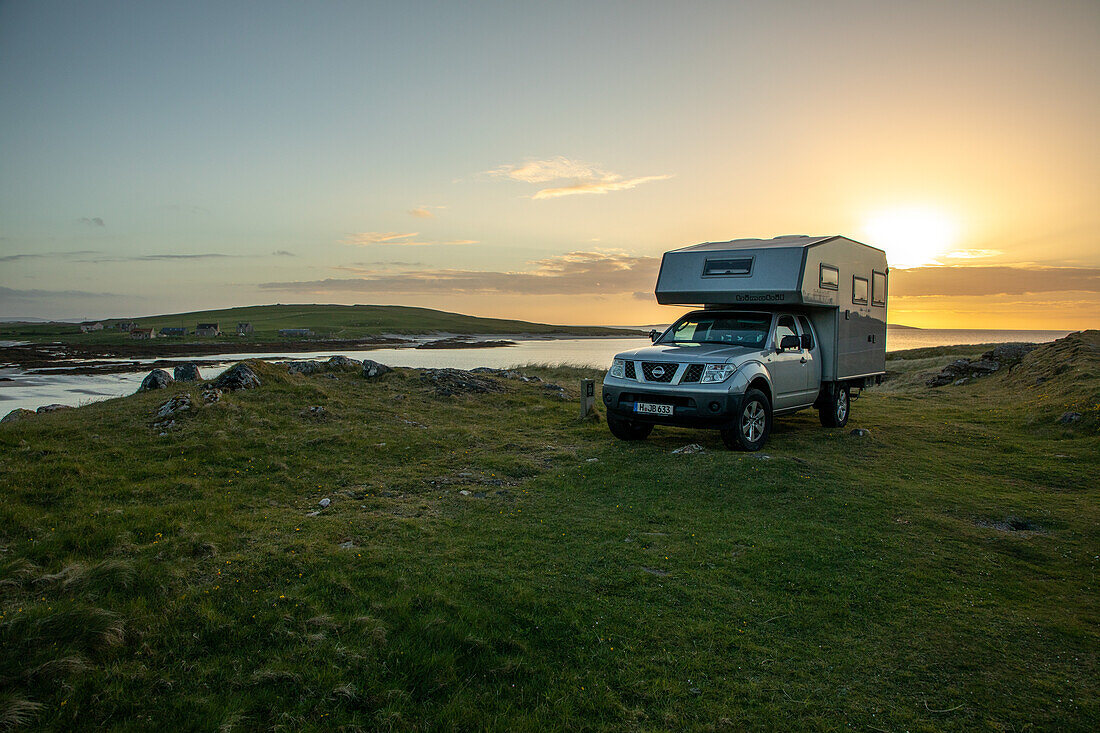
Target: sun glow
(912, 236)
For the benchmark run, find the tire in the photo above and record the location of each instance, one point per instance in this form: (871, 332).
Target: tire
(836, 408)
(754, 423)
(627, 430)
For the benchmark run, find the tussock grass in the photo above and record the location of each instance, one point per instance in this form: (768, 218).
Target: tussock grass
(939, 574)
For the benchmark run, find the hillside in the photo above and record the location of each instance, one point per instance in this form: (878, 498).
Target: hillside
(326, 321)
(488, 561)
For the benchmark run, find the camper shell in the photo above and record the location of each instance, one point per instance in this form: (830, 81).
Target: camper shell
(838, 283)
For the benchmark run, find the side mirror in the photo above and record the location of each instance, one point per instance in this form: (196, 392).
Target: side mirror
(807, 341)
(790, 341)
(654, 334)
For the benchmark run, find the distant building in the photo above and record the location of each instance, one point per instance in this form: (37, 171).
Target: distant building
(295, 332)
(208, 329)
(125, 326)
(140, 334)
(89, 326)
(243, 329)
(173, 331)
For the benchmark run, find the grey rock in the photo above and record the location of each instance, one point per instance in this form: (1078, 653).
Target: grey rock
(302, 367)
(347, 545)
(464, 492)
(156, 379)
(449, 382)
(959, 382)
(1009, 354)
(315, 411)
(55, 407)
(325, 502)
(1068, 418)
(17, 414)
(239, 376)
(210, 395)
(465, 474)
(188, 372)
(372, 369)
(175, 404)
(343, 362)
(313, 514)
(597, 460)
(689, 449)
(860, 432)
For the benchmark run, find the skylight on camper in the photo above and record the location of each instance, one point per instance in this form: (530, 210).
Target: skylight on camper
(740, 267)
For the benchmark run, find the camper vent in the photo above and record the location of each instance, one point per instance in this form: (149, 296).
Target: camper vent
(740, 267)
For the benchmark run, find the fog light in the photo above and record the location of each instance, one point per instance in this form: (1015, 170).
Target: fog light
(714, 406)
(606, 398)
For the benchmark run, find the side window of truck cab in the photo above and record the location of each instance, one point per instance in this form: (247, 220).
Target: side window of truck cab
(807, 334)
(784, 327)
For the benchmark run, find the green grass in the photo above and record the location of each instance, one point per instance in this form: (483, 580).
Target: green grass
(151, 582)
(326, 321)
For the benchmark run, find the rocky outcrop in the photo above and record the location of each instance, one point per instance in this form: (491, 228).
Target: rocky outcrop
(302, 367)
(53, 408)
(961, 371)
(211, 394)
(372, 369)
(239, 376)
(156, 379)
(447, 382)
(188, 372)
(343, 362)
(175, 405)
(16, 415)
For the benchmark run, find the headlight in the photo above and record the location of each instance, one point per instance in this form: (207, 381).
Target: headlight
(618, 368)
(717, 373)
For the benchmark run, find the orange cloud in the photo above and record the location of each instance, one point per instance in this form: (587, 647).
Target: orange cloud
(575, 177)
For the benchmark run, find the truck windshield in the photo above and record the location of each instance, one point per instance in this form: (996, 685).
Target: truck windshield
(738, 329)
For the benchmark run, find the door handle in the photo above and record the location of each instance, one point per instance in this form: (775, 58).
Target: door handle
(802, 360)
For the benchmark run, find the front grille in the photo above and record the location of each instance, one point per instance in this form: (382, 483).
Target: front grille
(693, 373)
(630, 373)
(656, 371)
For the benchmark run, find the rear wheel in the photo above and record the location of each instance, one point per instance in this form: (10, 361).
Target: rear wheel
(627, 430)
(836, 408)
(753, 425)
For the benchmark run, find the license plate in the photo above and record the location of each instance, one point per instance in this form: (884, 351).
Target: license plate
(648, 408)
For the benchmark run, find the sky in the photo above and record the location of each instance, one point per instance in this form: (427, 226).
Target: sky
(534, 160)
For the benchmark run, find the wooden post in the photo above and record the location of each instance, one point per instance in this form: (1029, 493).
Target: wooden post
(588, 397)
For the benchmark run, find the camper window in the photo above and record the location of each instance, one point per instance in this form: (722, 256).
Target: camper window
(878, 288)
(830, 277)
(741, 267)
(859, 290)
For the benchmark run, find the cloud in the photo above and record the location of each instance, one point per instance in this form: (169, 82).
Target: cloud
(43, 255)
(95, 221)
(972, 254)
(995, 280)
(575, 177)
(367, 239)
(283, 253)
(7, 294)
(574, 273)
(421, 212)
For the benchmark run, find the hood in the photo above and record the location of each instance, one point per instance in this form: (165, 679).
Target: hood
(712, 353)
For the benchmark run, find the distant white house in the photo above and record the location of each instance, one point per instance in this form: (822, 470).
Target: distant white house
(89, 326)
(243, 329)
(208, 329)
(141, 334)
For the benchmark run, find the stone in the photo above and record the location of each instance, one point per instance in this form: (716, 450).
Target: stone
(17, 414)
(689, 449)
(860, 432)
(302, 367)
(449, 382)
(464, 492)
(55, 407)
(156, 379)
(1068, 418)
(372, 369)
(175, 404)
(325, 502)
(347, 545)
(959, 382)
(313, 514)
(210, 395)
(239, 376)
(343, 362)
(597, 460)
(188, 372)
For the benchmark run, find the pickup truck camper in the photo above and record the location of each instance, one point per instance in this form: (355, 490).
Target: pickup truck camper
(784, 324)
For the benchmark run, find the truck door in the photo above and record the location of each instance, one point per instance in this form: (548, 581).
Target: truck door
(786, 367)
(812, 364)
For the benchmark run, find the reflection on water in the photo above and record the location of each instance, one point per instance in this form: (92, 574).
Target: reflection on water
(31, 391)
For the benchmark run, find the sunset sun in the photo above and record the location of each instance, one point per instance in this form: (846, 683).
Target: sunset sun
(912, 236)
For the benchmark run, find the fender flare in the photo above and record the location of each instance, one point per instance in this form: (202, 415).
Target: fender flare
(746, 374)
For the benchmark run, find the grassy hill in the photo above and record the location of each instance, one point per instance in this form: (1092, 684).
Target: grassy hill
(326, 321)
(492, 562)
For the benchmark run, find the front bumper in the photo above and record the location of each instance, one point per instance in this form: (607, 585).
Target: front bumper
(691, 408)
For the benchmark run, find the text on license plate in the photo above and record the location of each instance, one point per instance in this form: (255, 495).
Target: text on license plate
(648, 408)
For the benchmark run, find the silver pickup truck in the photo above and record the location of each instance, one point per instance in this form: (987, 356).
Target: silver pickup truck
(814, 334)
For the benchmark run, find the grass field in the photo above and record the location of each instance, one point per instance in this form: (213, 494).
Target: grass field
(326, 321)
(938, 574)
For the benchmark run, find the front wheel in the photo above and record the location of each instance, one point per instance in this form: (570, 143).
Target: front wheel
(754, 424)
(836, 408)
(627, 430)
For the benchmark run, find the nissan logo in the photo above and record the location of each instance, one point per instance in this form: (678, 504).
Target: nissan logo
(658, 372)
